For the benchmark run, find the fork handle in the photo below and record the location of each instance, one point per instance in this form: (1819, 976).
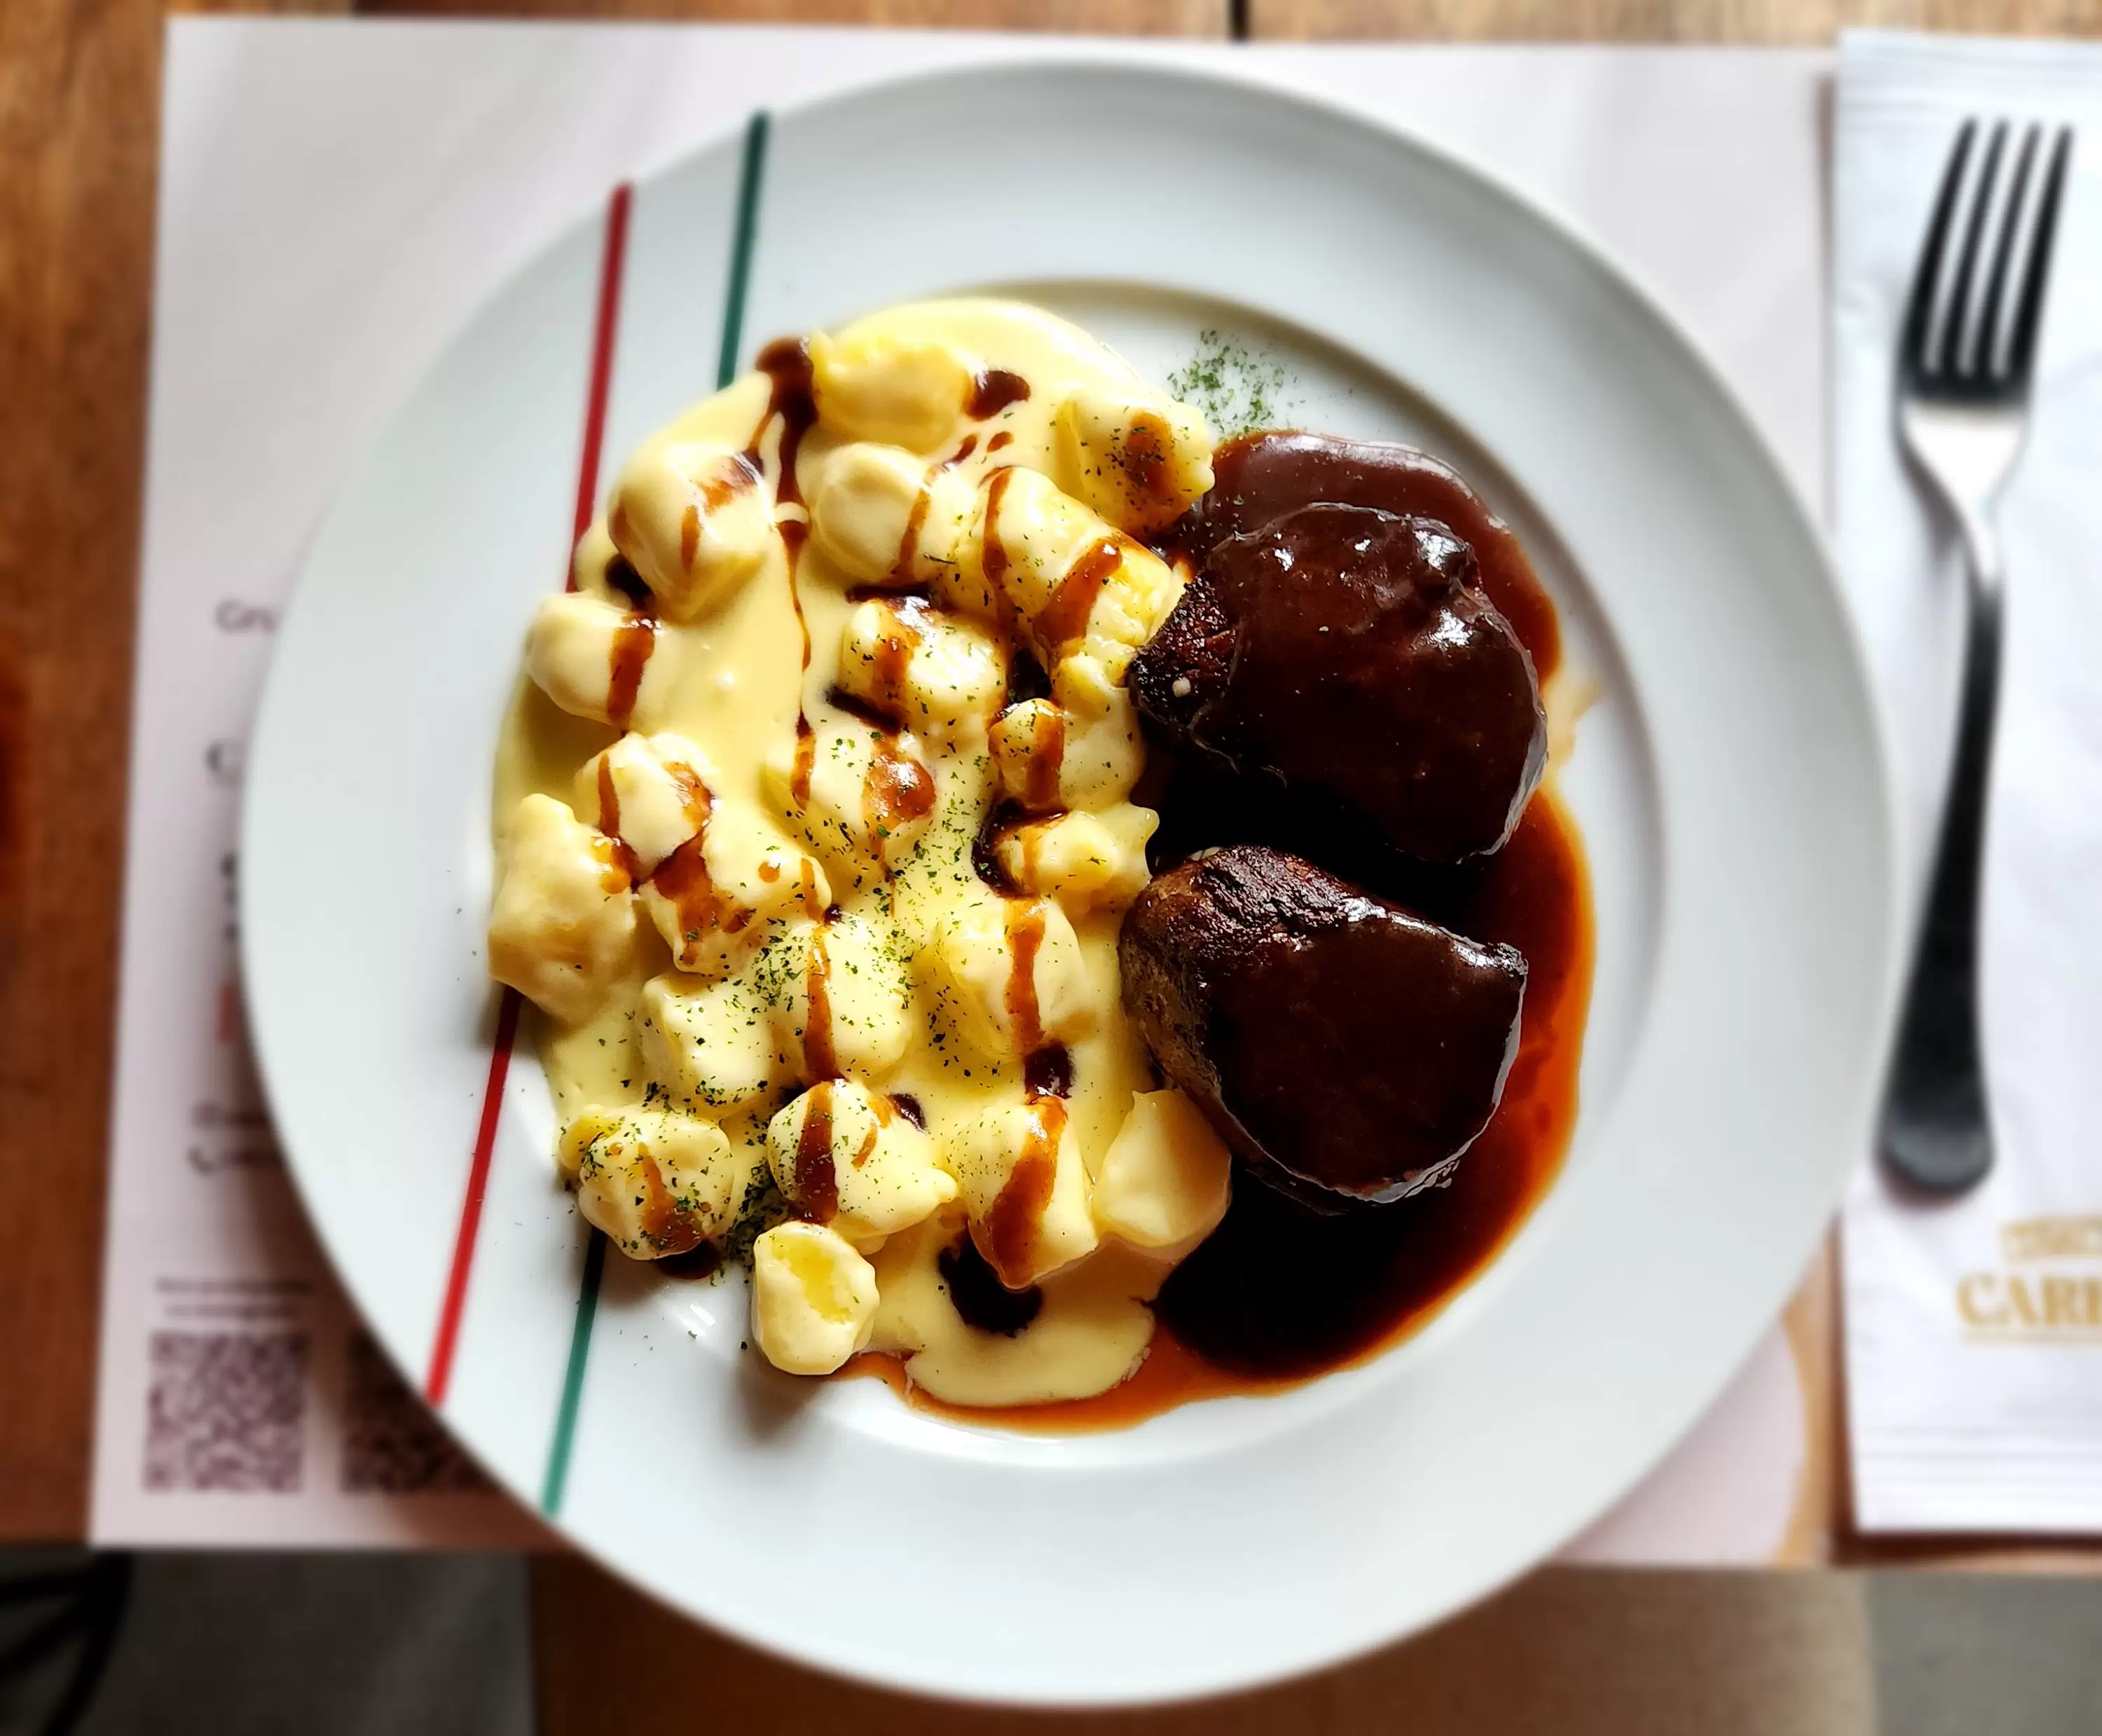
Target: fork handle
(1936, 1124)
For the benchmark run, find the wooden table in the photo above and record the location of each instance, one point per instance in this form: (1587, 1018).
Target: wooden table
(79, 83)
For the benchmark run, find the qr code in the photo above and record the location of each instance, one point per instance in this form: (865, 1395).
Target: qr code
(226, 1410)
(391, 1444)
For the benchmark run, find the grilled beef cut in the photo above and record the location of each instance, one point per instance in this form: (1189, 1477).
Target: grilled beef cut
(1347, 1048)
(1349, 652)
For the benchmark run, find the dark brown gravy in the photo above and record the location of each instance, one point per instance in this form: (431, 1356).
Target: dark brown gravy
(1047, 1072)
(1008, 1239)
(817, 1183)
(1025, 935)
(985, 857)
(977, 1296)
(794, 533)
(792, 395)
(608, 822)
(1064, 618)
(702, 1260)
(993, 559)
(804, 764)
(1047, 759)
(897, 791)
(993, 391)
(786, 363)
(820, 1061)
(663, 1227)
(622, 579)
(633, 640)
(905, 622)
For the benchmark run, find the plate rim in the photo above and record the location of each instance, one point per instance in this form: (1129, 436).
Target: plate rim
(1223, 83)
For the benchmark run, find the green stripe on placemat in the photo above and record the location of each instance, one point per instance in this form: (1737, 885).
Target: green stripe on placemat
(740, 253)
(573, 1377)
(751, 175)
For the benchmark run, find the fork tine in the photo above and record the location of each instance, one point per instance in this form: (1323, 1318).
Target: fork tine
(1953, 351)
(2029, 312)
(1919, 309)
(2003, 255)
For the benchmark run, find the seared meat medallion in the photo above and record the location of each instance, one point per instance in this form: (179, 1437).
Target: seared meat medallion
(1347, 652)
(1339, 645)
(1340, 1045)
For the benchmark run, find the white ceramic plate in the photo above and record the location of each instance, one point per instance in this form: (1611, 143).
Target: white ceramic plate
(1728, 782)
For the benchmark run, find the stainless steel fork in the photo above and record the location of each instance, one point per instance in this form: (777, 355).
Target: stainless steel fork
(1964, 373)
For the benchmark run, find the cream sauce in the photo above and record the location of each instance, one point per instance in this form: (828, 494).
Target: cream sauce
(735, 682)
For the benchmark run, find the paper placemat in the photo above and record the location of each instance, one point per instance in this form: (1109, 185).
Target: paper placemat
(336, 200)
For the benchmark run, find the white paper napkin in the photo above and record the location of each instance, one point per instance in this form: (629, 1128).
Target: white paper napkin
(1974, 1327)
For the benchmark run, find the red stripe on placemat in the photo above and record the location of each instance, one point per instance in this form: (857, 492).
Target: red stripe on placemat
(477, 1184)
(440, 1374)
(609, 310)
